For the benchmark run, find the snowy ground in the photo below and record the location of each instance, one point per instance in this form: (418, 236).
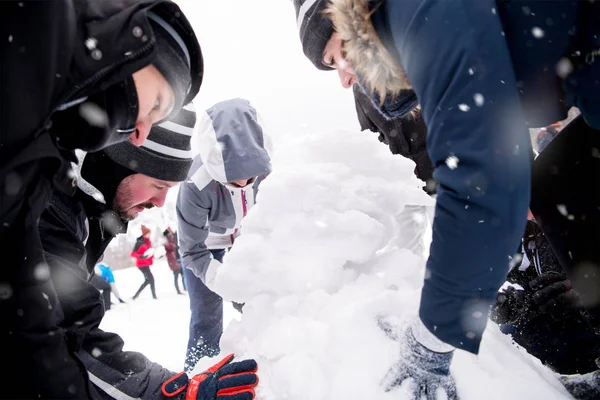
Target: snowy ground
(319, 261)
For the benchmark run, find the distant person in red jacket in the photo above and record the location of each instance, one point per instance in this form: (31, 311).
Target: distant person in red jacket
(144, 257)
(172, 250)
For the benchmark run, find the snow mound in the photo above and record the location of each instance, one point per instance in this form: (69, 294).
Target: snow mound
(320, 261)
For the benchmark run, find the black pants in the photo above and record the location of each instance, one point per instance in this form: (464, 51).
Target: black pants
(104, 288)
(566, 204)
(176, 274)
(148, 280)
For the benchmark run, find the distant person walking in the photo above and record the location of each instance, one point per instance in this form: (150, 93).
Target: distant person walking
(144, 257)
(173, 257)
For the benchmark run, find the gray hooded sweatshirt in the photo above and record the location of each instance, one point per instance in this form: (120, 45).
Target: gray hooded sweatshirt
(232, 147)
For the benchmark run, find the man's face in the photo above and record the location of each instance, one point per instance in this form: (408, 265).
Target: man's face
(333, 57)
(155, 98)
(138, 192)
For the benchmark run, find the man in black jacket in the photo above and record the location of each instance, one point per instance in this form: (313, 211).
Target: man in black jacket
(118, 183)
(85, 75)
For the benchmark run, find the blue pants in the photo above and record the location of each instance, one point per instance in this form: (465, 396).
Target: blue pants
(206, 321)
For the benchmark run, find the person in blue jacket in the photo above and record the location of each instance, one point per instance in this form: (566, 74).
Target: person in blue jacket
(106, 274)
(483, 72)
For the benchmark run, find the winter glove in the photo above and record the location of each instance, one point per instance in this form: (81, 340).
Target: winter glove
(513, 306)
(223, 381)
(582, 387)
(428, 370)
(554, 295)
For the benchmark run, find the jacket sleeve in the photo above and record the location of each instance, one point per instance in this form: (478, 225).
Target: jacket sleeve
(457, 60)
(363, 118)
(112, 372)
(193, 229)
(139, 250)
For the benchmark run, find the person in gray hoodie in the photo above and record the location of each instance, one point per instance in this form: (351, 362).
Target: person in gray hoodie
(221, 187)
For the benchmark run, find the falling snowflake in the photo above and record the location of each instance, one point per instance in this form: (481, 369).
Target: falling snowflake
(471, 72)
(41, 272)
(91, 43)
(452, 162)
(479, 99)
(12, 183)
(96, 352)
(93, 114)
(463, 107)
(494, 10)
(5, 291)
(537, 32)
(10, 38)
(562, 209)
(564, 67)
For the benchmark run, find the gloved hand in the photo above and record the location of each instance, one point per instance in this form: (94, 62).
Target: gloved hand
(582, 387)
(428, 370)
(223, 381)
(554, 295)
(513, 306)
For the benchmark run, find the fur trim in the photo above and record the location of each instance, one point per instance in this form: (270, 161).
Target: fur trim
(364, 50)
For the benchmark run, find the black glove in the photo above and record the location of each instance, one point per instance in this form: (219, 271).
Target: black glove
(226, 380)
(554, 295)
(513, 306)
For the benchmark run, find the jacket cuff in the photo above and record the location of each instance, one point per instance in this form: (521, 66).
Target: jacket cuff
(428, 339)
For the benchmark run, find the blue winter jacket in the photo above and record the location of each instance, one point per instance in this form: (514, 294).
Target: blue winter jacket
(483, 71)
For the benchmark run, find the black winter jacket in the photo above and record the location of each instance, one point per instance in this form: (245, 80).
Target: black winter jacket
(53, 52)
(75, 231)
(406, 136)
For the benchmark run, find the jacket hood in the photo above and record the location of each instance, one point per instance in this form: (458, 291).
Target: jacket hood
(375, 67)
(231, 142)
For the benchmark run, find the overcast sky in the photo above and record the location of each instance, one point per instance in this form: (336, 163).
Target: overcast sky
(251, 49)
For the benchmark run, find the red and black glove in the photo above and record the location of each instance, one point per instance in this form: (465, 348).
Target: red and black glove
(223, 381)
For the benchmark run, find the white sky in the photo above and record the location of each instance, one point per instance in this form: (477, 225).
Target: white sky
(252, 50)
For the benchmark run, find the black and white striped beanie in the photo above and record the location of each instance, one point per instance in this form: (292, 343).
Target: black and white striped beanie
(166, 154)
(315, 29)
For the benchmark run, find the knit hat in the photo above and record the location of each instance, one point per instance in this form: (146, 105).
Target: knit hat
(145, 230)
(315, 29)
(166, 155)
(172, 58)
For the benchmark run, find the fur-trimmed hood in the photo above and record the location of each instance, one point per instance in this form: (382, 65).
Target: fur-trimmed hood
(364, 50)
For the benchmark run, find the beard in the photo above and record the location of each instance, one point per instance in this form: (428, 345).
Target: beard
(124, 204)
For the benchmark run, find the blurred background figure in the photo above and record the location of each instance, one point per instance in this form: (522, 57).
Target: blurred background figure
(104, 280)
(143, 252)
(173, 257)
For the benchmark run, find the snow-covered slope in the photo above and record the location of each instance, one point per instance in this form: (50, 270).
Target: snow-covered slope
(317, 264)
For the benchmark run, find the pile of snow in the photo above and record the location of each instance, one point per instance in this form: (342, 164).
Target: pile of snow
(317, 264)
